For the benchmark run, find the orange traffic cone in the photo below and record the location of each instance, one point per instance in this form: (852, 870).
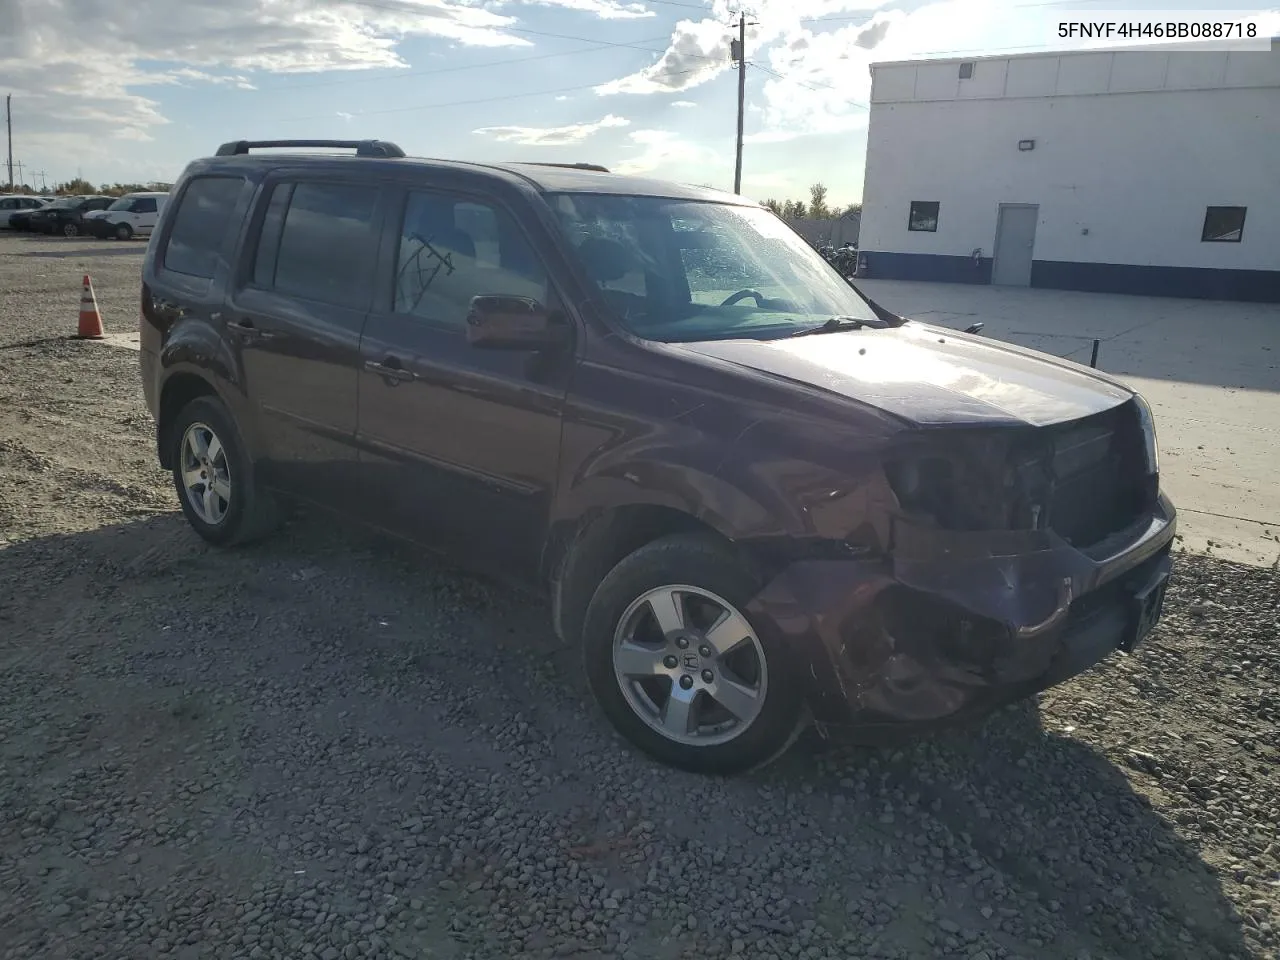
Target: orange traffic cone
(90, 318)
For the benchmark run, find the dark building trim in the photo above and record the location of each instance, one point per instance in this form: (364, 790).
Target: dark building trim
(1202, 283)
(924, 266)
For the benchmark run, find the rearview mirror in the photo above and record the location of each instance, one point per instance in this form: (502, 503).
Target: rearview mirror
(504, 322)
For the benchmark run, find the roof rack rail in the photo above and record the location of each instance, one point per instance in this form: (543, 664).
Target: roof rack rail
(569, 166)
(363, 148)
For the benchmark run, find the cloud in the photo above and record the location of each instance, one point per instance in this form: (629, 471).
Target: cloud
(665, 151)
(552, 136)
(684, 104)
(697, 52)
(604, 9)
(78, 68)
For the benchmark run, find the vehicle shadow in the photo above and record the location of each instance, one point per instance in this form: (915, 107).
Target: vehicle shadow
(1005, 840)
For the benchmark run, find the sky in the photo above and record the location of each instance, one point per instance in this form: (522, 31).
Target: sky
(130, 90)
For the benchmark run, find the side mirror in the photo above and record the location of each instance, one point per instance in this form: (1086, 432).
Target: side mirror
(503, 322)
(974, 328)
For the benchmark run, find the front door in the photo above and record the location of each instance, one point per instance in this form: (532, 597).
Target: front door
(1015, 243)
(142, 215)
(460, 442)
(295, 321)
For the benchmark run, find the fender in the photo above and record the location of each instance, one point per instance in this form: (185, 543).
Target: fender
(196, 348)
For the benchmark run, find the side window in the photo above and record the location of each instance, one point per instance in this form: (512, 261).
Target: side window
(264, 264)
(144, 205)
(325, 243)
(9, 204)
(201, 221)
(453, 250)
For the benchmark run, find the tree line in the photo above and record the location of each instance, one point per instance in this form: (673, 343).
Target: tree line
(80, 186)
(817, 208)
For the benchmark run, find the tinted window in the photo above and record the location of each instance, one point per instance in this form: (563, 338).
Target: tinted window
(9, 204)
(144, 205)
(264, 266)
(452, 250)
(923, 216)
(326, 243)
(200, 224)
(1223, 225)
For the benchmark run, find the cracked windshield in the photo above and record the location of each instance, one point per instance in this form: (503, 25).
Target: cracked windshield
(684, 270)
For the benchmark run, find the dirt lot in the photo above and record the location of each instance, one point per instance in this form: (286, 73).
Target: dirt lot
(328, 746)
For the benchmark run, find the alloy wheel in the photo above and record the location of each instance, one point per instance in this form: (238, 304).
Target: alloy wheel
(690, 665)
(206, 475)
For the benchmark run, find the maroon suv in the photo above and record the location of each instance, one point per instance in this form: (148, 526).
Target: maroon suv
(755, 498)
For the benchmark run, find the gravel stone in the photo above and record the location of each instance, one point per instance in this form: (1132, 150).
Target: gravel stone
(329, 746)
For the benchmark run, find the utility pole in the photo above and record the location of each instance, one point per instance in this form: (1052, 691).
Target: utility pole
(8, 122)
(738, 50)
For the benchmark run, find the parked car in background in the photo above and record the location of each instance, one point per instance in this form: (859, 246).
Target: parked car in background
(133, 215)
(15, 203)
(66, 214)
(754, 496)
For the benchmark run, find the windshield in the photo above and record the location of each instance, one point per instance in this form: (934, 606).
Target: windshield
(683, 270)
(64, 203)
(124, 203)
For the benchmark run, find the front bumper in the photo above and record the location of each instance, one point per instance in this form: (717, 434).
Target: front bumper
(957, 624)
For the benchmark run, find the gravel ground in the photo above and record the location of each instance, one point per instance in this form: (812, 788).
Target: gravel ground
(327, 746)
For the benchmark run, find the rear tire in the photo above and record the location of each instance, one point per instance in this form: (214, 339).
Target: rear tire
(214, 476)
(734, 709)
(70, 230)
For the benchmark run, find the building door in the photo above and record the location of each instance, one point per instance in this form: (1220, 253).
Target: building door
(1015, 241)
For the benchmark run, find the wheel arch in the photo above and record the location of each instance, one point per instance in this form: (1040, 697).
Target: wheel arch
(179, 389)
(581, 554)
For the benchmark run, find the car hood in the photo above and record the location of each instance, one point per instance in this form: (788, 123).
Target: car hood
(929, 376)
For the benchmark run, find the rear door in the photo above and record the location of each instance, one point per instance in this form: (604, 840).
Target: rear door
(462, 442)
(294, 320)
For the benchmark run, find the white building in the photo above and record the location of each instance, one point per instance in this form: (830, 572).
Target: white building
(1152, 172)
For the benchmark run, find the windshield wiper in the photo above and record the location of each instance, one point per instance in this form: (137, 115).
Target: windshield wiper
(831, 325)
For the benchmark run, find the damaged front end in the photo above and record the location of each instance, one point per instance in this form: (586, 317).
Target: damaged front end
(1012, 559)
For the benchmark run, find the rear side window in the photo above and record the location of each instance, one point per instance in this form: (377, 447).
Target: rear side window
(200, 224)
(316, 242)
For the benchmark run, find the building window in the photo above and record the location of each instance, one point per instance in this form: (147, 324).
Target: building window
(1223, 225)
(924, 216)
(966, 71)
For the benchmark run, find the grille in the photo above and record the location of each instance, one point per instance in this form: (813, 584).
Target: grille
(1099, 485)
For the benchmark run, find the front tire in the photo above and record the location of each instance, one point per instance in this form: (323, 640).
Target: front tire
(124, 232)
(214, 476)
(678, 668)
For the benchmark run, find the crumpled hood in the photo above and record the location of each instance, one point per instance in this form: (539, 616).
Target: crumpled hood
(930, 375)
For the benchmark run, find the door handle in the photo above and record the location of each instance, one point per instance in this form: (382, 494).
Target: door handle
(390, 370)
(245, 329)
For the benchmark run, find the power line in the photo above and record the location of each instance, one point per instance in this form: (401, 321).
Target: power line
(804, 83)
(464, 103)
(600, 45)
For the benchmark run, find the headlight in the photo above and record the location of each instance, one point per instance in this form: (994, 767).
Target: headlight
(950, 489)
(1147, 423)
